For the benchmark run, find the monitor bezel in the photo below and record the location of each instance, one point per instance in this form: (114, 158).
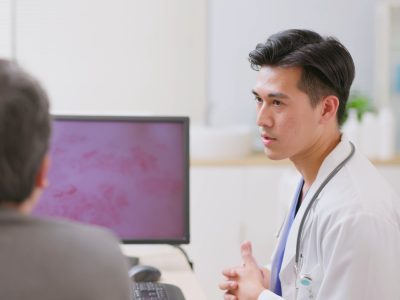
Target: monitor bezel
(151, 119)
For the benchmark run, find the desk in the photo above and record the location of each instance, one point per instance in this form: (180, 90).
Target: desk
(172, 264)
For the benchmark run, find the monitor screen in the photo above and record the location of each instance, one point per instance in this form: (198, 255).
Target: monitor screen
(128, 174)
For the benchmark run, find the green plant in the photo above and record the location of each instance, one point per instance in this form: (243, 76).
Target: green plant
(360, 103)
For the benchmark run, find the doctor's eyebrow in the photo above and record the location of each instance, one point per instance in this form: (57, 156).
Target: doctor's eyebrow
(272, 95)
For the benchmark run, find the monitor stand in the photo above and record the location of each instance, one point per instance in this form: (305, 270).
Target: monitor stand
(132, 260)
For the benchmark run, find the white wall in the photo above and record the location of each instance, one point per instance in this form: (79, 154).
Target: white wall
(5, 29)
(119, 56)
(173, 57)
(235, 27)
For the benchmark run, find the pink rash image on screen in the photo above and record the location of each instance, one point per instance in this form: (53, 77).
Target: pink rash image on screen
(125, 176)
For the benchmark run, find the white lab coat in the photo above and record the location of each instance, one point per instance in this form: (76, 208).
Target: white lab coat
(351, 241)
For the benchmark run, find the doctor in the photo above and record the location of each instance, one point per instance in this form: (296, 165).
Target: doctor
(341, 238)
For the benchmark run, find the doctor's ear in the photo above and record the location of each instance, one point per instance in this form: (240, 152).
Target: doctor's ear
(329, 106)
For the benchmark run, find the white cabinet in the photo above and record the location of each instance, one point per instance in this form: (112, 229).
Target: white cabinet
(215, 223)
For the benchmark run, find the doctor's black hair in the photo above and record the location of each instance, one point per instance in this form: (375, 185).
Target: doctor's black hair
(24, 132)
(327, 66)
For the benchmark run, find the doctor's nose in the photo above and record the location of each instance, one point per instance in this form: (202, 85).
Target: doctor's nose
(264, 117)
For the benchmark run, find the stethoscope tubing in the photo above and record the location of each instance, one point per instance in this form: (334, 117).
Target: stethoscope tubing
(314, 198)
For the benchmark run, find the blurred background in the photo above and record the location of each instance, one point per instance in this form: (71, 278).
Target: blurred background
(189, 57)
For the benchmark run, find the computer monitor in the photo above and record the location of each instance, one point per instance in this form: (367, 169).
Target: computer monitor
(128, 174)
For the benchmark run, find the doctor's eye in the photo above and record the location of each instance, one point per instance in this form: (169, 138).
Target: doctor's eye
(277, 102)
(258, 100)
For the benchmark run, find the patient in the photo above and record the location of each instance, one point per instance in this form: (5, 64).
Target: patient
(44, 259)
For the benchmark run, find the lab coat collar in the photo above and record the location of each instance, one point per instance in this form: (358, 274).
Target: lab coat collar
(337, 155)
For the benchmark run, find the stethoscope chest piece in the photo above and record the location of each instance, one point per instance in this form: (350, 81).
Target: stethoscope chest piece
(305, 281)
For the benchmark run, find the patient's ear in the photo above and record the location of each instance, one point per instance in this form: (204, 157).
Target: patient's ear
(41, 182)
(41, 177)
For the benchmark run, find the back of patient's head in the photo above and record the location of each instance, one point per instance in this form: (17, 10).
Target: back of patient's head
(24, 132)
(328, 68)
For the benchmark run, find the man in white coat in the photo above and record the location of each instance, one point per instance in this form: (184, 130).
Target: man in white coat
(341, 238)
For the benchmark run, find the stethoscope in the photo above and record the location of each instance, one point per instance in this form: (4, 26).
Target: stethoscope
(306, 280)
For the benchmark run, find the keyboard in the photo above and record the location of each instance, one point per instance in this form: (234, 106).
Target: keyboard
(156, 291)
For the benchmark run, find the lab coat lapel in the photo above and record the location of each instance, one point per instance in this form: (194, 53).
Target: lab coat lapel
(290, 249)
(331, 161)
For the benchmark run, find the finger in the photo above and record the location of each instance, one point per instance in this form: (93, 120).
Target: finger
(230, 297)
(228, 285)
(266, 277)
(247, 254)
(231, 272)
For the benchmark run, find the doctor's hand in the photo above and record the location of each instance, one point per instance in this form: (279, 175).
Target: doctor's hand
(247, 281)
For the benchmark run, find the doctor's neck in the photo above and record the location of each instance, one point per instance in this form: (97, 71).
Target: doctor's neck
(309, 163)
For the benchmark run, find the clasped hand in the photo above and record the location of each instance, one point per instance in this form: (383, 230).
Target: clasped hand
(247, 281)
